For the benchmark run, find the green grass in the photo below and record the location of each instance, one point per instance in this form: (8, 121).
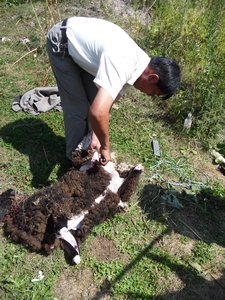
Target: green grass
(192, 33)
(202, 253)
(160, 255)
(19, 267)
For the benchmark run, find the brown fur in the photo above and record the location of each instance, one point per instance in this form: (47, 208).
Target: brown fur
(40, 216)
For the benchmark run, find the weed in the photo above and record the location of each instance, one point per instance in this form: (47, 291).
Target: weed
(202, 253)
(198, 27)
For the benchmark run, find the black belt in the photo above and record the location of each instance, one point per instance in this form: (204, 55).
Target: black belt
(64, 39)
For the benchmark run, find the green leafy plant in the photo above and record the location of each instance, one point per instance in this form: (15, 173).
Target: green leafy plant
(202, 253)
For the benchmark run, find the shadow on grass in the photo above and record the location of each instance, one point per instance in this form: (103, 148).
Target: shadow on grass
(195, 286)
(107, 286)
(35, 139)
(201, 218)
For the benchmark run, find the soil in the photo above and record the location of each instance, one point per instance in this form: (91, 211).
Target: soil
(81, 281)
(77, 285)
(104, 250)
(209, 289)
(207, 169)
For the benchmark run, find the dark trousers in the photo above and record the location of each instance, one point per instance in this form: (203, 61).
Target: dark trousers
(76, 89)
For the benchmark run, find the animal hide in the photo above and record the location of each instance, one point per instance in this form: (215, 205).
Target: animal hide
(66, 211)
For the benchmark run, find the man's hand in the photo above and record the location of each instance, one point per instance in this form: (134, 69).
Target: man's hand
(105, 156)
(95, 144)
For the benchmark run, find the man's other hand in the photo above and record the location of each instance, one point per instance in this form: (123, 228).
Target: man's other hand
(95, 144)
(105, 156)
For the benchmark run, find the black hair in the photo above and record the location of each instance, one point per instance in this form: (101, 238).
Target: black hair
(169, 74)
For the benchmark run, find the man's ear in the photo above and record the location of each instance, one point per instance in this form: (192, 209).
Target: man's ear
(153, 78)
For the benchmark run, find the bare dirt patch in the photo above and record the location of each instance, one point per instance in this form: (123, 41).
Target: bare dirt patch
(77, 285)
(173, 245)
(207, 289)
(81, 282)
(207, 168)
(172, 285)
(104, 249)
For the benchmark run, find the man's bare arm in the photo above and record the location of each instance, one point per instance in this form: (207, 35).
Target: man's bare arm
(99, 119)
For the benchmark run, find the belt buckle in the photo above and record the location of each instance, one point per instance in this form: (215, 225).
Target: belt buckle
(63, 48)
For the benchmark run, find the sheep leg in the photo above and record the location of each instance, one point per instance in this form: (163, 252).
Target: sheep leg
(130, 183)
